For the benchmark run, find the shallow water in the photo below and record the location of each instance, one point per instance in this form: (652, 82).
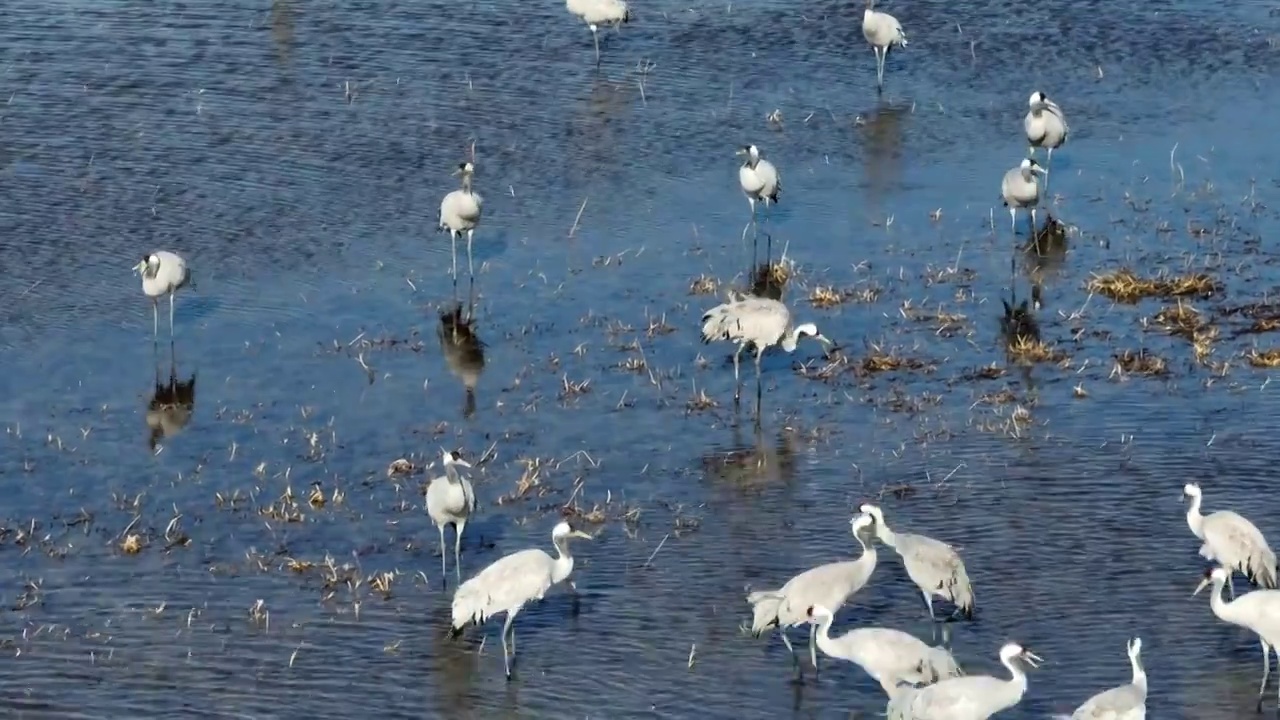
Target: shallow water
(296, 155)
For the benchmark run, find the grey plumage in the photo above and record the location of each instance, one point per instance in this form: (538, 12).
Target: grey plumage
(163, 273)
(1126, 702)
(760, 322)
(1020, 188)
(599, 12)
(828, 586)
(934, 566)
(884, 32)
(460, 212)
(1231, 541)
(451, 501)
(1045, 124)
(1258, 611)
(887, 655)
(511, 582)
(975, 697)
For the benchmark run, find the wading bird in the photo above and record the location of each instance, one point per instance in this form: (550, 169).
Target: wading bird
(1045, 124)
(1231, 541)
(1126, 702)
(761, 183)
(511, 582)
(934, 566)
(883, 31)
(451, 501)
(975, 697)
(887, 655)
(1021, 189)
(1258, 611)
(460, 213)
(599, 12)
(760, 322)
(163, 273)
(828, 586)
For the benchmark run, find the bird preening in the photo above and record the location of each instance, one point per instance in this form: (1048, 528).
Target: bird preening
(1045, 125)
(163, 273)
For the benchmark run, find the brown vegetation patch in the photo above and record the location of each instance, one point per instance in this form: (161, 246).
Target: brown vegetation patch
(1141, 362)
(1124, 285)
(1034, 350)
(1264, 358)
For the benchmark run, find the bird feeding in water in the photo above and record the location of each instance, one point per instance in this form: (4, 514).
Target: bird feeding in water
(934, 566)
(1258, 611)
(887, 655)
(761, 183)
(1021, 189)
(828, 586)
(757, 321)
(1231, 541)
(883, 31)
(460, 213)
(1045, 124)
(973, 697)
(451, 501)
(1126, 702)
(599, 12)
(511, 582)
(163, 273)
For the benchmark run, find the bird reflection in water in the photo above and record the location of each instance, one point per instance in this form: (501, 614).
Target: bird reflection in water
(171, 404)
(282, 28)
(768, 279)
(881, 133)
(758, 464)
(463, 350)
(1043, 256)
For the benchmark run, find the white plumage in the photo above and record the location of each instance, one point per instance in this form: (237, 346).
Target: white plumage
(757, 321)
(759, 179)
(1045, 123)
(451, 501)
(163, 273)
(1258, 611)
(975, 697)
(890, 656)
(460, 213)
(828, 586)
(1020, 188)
(1232, 542)
(599, 12)
(511, 582)
(934, 566)
(1126, 702)
(883, 31)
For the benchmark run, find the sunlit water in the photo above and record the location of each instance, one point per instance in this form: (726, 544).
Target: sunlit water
(296, 154)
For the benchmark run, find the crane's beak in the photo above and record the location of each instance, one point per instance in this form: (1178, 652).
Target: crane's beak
(1203, 584)
(581, 535)
(139, 267)
(1032, 659)
(1040, 170)
(462, 463)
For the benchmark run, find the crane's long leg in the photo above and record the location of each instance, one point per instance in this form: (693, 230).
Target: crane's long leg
(928, 601)
(759, 389)
(1013, 223)
(1033, 224)
(1266, 670)
(506, 654)
(458, 527)
(470, 266)
(737, 384)
(155, 318)
(1048, 170)
(453, 242)
(881, 55)
(443, 569)
(813, 647)
(596, 37)
(170, 314)
(794, 660)
(1231, 586)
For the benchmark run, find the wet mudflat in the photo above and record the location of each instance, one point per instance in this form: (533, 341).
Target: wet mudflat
(223, 529)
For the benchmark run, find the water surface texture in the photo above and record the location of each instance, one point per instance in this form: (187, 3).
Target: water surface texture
(296, 153)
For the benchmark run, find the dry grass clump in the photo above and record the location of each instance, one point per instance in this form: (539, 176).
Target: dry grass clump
(1141, 362)
(1033, 350)
(1180, 319)
(1124, 285)
(825, 296)
(704, 285)
(1264, 358)
(881, 360)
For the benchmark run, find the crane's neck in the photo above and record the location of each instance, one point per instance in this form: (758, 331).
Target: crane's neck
(1017, 685)
(884, 532)
(564, 561)
(1194, 518)
(1226, 611)
(451, 473)
(823, 624)
(1139, 675)
(790, 340)
(466, 183)
(868, 556)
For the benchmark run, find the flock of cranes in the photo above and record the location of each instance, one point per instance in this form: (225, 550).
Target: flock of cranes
(922, 682)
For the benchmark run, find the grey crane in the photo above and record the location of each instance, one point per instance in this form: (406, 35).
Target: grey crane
(974, 697)
(450, 501)
(1126, 702)
(460, 212)
(599, 12)
(760, 322)
(1258, 611)
(1020, 188)
(510, 583)
(163, 273)
(829, 586)
(887, 655)
(1046, 125)
(761, 183)
(934, 566)
(883, 31)
(1231, 541)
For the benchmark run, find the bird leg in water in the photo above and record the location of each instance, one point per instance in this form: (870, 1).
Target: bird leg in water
(1033, 225)
(1266, 671)
(470, 266)
(155, 318)
(170, 313)
(443, 569)
(1013, 223)
(881, 55)
(928, 601)
(453, 241)
(737, 385)
(457, 549)
(813, 647)
(596, 37)
(507, 654)
(1231, 586)
(794, 660)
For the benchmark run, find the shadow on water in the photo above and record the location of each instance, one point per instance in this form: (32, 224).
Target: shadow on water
(171, 405)
(463, 350)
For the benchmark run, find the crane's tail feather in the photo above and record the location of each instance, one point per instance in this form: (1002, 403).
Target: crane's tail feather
(764, 610)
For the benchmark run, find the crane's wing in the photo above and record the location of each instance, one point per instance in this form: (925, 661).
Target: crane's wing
(508, 583)
(469, 494)
(961, 697)
(933, 561)
(1238, 543)
(827, 585)
(1113, 704)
